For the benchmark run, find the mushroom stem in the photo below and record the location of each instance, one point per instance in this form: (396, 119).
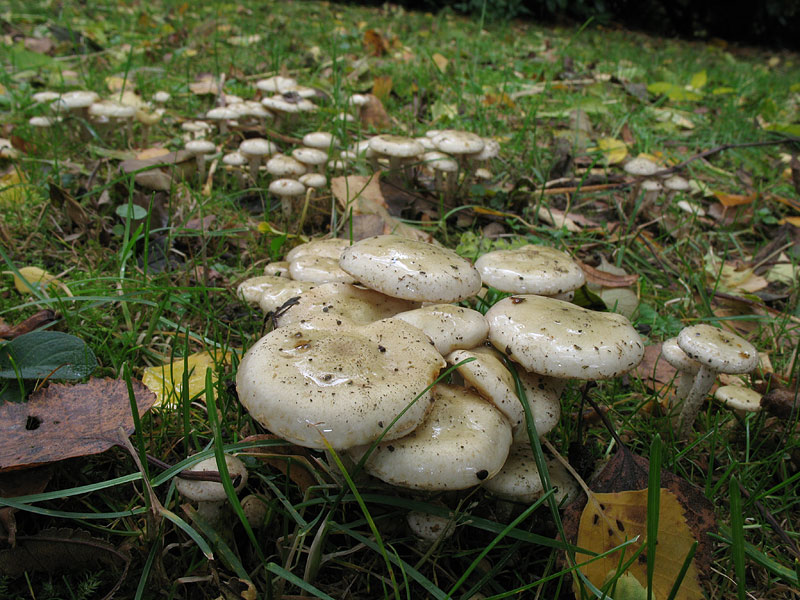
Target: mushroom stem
(685, 382)
(210, 511)
(201, 166)
(703, 382)
(254, 162)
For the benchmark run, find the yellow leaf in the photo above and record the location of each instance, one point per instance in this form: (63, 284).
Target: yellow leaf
(614, 150)
(115, 83)
(35, 276)
(2, 89)
(730, 200)
(440, 61)
(699, 80)
(785, 272)
(164, 380)
(382, 87)
(611, 519)
(722, 90)
(151, 153)
(13, 188)
(726, 277)
(791, 220)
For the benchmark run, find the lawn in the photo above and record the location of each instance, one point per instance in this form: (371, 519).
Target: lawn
(112, 232)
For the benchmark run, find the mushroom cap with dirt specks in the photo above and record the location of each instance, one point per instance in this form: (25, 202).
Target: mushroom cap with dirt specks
(720, 350)
(676, 357)
(288, 188)
(531, 269)
(544, 397)
(556, 338)
(318, 269)
(396, 145)
(738, 398)
(280, 290)
(257, 147)
(343, 302)
(411, 269)
(200, 146)
(463, 441)
(345, 385)
(640, 166)
(449, 326)
(519, 478)
(211, 491)
(454, 141)
(328, 247)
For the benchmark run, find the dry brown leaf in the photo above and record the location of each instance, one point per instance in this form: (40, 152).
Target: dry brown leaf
(205, 84)
(605, 279)
(440, 61)
(382, 87)
(364, 196)
(64, 421)
(289, 459)
(655, 372)
(43, 317)
(729, 200)
(374, 43)
(790, 202)
(610, 519)
(373, 114)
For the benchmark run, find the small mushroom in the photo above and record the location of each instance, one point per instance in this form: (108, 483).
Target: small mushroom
(686, 367)
(199, 149)
(531, 269)
(210, 495)
(717, 351)
(254, 150)
(740, 399)
(287, 190)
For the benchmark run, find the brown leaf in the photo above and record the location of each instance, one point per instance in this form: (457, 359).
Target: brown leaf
(374, 43)
(40, 45)
(655, 372)
(54, 550)
(605, 279)
(65, 421)
(729, 200)
(382, 87)
(365, 196)
(43, 317)
(782, 402)
(205, 84)
(627, 471)
(373, 114)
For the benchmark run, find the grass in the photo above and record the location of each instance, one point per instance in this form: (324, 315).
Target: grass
(148, 292)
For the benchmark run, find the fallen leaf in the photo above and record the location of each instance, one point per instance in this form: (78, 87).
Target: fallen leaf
(782, 402)
(785, 272)
(373, 114)
(20, 483)
(205, 84)
(166, 380)
(374, 43)
(64, 421)
(699, 80)
(606, 279)
(655, 372)
(610, 519)
(41, 318)
(14, 188)
(382, 87)
(614, 151)
(727, 277)
(31, 277)
(627, 471)
(730, 200)
(294, 461)
(364, 196)
(440, 61)
(149, 153)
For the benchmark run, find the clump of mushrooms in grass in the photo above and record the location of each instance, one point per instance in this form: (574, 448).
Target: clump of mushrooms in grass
(348, 341)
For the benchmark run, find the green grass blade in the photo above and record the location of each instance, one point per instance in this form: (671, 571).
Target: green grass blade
(737, 538)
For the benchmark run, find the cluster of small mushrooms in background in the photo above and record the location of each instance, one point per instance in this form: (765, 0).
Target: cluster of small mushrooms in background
(447, 156)
(362, 330)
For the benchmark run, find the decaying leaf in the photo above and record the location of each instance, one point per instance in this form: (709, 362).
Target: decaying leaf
(730, 200)
(607, 279)
(166, 380)
(14, 188)
(373, 114)
(374, 43)
(613, 150)
(64, 421)
(440, 61)
(610, 519)
(727, 277)
(205, 84)
(20, 483)
(365, 196)
(382, 87)
(289, 459)
(31, 277)
(655, 372)
(41, 318)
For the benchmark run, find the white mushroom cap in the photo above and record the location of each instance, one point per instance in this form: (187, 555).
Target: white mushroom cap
(651, 185)
(396, 145)
(321, 140)
(430, 528)
(234, 159)
(43, 121)
(720, 350)
(251, 290)
(279, 268)
(211, 491)
(113, 110)
(691, 208)
(427, 144)
(739, 398)
(280, 104)
(449, 326)
(281, 291)
(196, 128)
(318, 269)
(340, 302)
(76, 99)
(310, 156)
(287, 188)
(676, 357)
(641, 167)
(556, 338)
(462, 442)
(200, 147)
(328, 248)
(411, 269)
(454, 141)
(491, 149)
(489, 377)
(519, 478)
(221, 113)
(439, 161)
(257, 147)
(676, 183)
(277, 83)
(359, 147)
(345, 384)
(46, 96)
(544, 397)
(530, 269)
(281, 165)
(313, 180)
(161, 97)
(357, 100)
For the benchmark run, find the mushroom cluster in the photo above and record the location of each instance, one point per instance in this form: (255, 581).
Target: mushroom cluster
(358, 345)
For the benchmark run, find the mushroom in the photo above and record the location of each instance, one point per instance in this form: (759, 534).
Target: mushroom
(531, 269)
(463, 441)
(312, 158)
(341, 387)
(223, 115)
(428, 528)
(327, 247)
(686, 367)
(398, 149)
(286, 190)
(251, 290)
(254, 149)
(199, 149)
(318, 269)
(210, 495)
(236, 160)
(461, 144)
(445, 171)
(279, 268)
(740, 399)
(411, 269)
(717, 351)
(556, 338)
(321, 140)
(450, 327)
